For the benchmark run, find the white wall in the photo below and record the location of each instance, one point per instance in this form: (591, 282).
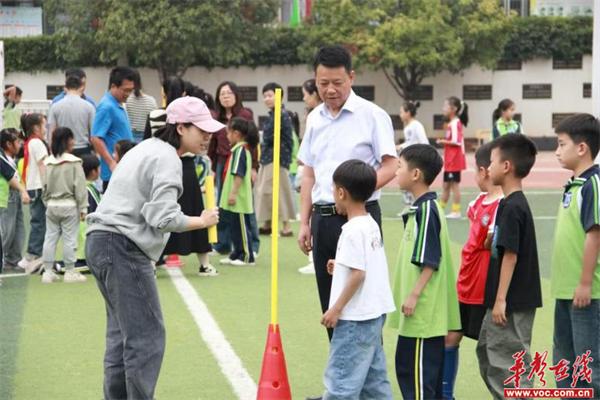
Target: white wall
(567, 89)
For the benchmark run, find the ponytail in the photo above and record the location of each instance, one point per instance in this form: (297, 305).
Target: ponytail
(248, 130)
(504, 105)
(411, 107)
(462, 109)
(29, 121)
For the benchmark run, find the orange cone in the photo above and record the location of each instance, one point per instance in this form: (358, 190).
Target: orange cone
(173, 261)
(273, 384)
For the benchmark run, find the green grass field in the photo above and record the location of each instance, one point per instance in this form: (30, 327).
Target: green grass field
(52, 336)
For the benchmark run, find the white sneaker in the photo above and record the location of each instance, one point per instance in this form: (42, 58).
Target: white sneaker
(49, 277)
(255, 255)
(74, 277)
(307, 270)
(240, 263)
(33, 265)
(225, 261)
(208, 270)
(453, 215)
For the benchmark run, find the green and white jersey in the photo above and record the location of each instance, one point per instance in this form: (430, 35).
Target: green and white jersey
(578, 213)
(239, 164)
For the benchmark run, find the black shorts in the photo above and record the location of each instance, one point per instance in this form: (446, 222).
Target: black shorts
(471, 318)
(452, 177)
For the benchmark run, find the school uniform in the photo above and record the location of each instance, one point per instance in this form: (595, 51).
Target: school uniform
(420, 348)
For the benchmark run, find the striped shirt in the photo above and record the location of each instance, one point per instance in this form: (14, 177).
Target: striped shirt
(138, 109)
(428, 249)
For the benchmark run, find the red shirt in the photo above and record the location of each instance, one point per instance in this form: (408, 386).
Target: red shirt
(454, 155)
(475, 257)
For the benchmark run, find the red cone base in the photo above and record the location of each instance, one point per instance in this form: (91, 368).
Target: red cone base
(173, 261)
(273, 384)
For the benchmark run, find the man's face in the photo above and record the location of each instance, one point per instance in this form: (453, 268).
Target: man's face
(122, 92)
(334, 85)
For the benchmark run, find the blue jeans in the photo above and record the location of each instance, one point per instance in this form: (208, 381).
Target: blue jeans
(37, 233)
(135, 332)
(356, 367)
(576, 330)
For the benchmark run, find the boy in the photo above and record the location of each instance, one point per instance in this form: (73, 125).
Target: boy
(474, 266)
(360, 293)
(91, 169)
(575, 273)
(425, 281)
(513, 289)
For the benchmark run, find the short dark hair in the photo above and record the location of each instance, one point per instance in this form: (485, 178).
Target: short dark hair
(73, 82)
(582, 128)
(424, 157)
(173, 87)
(310, 85)
(78, 72)
(333, 57)
(119, 74)
(90, 163)
(411, 107)
(8, 135)
(123, 146)
(272, 86)
(519, 150)
(60, 140)
(137, 84)
(169, 134)
(483, 155)
(357, 177)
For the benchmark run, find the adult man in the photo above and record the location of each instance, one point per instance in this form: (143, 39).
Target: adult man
(74, 113)
(111, 123)
(81, 75)
(344, 127)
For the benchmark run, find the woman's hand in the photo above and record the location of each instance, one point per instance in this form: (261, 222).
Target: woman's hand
(210, 217)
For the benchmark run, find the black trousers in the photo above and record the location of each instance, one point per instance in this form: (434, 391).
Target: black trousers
(325, 234)
(420, 367)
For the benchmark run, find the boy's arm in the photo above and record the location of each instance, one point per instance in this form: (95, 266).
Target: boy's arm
(409, 305)
(14, 183)
(356, 278)
(509, 261)
(237, 182)
(591, 248)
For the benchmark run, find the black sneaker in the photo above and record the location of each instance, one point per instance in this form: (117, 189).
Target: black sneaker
(209, 270)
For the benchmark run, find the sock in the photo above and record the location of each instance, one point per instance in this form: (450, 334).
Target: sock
(456, 207)
(450, 371)
(48, 267)
(203, 258)
(443, 204)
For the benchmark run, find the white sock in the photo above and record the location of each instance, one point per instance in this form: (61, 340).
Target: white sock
(203, 258)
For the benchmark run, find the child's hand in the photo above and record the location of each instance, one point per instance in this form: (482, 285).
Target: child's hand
(330, 266)
(82, 216)
(408, 308)
(583, 296)
(330, 318)
(499, 312)
(231, 199)
(25, 197)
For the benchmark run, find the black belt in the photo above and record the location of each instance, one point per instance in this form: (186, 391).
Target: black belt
(328, 210)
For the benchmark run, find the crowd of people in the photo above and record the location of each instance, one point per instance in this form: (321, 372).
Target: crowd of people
(123, 180)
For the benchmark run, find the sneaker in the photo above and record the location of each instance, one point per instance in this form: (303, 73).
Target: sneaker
(255, 253)
(307, 270)
(24, 262)
(74, 277)
(208, 270)
(240, 263)
(13, 269)
(225, 261)
(34, 265)
(49, 277)
(453, 215)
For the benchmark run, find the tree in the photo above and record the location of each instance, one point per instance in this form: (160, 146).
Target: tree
(409, 40)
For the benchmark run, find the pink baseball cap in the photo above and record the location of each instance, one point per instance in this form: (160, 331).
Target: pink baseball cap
(192, 110)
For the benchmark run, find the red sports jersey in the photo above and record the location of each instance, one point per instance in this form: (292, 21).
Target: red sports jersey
(475, 257)
(454, 156)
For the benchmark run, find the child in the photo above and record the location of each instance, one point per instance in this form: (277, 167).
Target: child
(13, 194)
(236, 196)
(122, 147)
(65, 195)
(474, 266)
(575, 269)
(503, 119)
(35, 152)
(456, 112)
(513, 289)
(360, 293)
(424, 284)
(414, 133)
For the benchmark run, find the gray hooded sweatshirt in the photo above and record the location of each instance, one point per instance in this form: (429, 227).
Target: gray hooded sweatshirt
(141, 200)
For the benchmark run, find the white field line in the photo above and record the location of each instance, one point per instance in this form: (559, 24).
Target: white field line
(2, 276)
(472, 192)
(243, 385)
(540, 218)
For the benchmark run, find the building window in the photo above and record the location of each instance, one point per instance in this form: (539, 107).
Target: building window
(366, 92)
(294, 94)
(249, 93)
(423, 92)
(477, 92)
(587, 90)
(53, 90)
(537, 91)
(558, 117)
(563, 63)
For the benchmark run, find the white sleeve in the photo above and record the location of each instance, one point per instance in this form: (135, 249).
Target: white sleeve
(351, 252)
(454, 130)
(383, 136)
(37, 150)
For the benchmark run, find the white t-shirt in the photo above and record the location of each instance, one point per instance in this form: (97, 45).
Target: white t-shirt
(414, 133)
(360, 247)
(37, 152)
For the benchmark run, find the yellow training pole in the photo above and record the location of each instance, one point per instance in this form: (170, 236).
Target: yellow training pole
(275, 211)
(209, 186)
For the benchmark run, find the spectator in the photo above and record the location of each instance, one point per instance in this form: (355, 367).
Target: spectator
(11, 116)
(81, 75)
(138, 106)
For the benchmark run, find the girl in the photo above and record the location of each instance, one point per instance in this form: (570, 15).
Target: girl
(456, 112)
(414, 133)
(65, 194)
(11, 216)
(128, 231)
(503, 119)
(35, 152)
(236, 199)
(139, 105)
